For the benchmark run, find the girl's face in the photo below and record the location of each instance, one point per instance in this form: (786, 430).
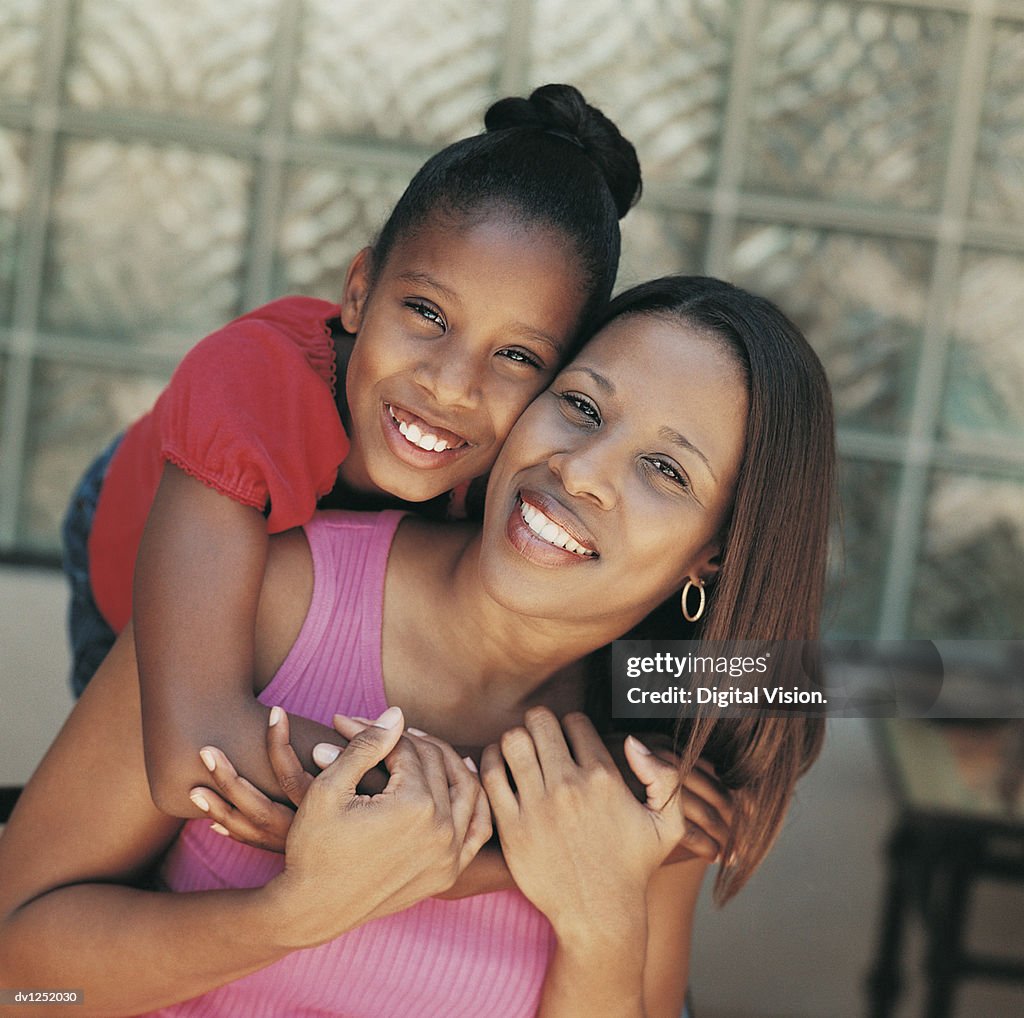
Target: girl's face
(614, 486)
(456, 334)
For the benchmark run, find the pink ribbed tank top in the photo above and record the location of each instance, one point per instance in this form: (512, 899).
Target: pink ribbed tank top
(485, 955)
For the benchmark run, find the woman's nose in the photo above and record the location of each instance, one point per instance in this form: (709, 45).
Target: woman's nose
(586, 472)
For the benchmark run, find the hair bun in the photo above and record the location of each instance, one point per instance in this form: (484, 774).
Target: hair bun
(562, 111)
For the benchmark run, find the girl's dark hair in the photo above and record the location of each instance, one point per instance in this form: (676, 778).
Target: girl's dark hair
(552, 160)
(771, 581)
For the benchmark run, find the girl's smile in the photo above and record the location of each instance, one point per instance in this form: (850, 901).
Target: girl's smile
(450, 351)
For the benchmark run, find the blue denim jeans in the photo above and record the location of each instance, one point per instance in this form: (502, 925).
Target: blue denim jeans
(90, 635)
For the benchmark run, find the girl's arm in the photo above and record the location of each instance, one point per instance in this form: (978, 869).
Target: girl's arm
(587, 854)
(86, 821)
(197, 587)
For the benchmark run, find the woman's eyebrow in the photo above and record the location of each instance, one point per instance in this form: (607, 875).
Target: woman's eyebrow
(673, 436)
(599, 380)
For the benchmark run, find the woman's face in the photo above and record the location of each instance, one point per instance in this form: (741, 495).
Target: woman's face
(456, 333)
(613, 486)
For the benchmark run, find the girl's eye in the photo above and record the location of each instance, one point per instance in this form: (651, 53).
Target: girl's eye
(518, 356)
(580, 407)
(669, 470)
(427, 311)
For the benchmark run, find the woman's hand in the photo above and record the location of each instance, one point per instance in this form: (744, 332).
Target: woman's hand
(576, 840)
(362, 857)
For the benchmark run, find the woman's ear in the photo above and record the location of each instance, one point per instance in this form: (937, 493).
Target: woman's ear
(707, 563)
(358, 281)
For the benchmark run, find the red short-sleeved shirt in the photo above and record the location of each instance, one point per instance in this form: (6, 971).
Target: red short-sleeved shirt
(250, 411)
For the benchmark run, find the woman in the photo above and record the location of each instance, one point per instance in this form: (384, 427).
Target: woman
(652, 461)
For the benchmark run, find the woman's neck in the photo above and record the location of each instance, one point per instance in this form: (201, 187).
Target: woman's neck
(441, 620)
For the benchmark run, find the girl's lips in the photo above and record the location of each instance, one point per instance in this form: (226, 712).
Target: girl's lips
(415, 429)
(395, 419)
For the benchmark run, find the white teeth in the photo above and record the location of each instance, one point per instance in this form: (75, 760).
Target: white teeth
(412, 433)
(550, 531)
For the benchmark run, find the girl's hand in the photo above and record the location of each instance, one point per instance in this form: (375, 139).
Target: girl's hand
(241, 811)
(351, 858)
(576, 840)
(704, 803)
(238, 808)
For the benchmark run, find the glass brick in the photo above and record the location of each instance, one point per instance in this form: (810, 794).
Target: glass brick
(659, 243)
(398, 70)
(658, 68)
(74, 412)
(852, 102)
(969, 582)
(860, 300)
(998, 178)
(190, 58)
(145, 241)
(985, 378)
(859, 548)
(328, 217)
(14, 191)
(19, 44)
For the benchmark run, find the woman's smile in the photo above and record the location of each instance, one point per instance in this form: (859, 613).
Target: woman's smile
(619, 470)
(544, 532)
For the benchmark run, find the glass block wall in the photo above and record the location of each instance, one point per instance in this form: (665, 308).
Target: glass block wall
(165, 166)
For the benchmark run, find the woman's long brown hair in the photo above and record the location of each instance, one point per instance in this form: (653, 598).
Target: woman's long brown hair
(771, 581)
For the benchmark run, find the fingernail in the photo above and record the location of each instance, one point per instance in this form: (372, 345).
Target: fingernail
(200, 800)
(208, 758)
(415, 731)
(468, 761)
(391, 718)
(219, 828)
(638, 745)
(275, 715)
(325, 754)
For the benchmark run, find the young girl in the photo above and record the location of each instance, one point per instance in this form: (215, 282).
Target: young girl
(689, 441)
(497, 258)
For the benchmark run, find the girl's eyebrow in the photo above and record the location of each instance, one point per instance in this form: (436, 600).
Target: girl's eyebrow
(423, 279)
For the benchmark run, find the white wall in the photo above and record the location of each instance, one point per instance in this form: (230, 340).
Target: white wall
(34, 693)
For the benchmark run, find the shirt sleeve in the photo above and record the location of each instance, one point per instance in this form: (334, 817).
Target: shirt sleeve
(246, 414)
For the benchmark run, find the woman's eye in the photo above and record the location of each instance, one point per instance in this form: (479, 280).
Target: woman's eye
(427, 311)
(669, 470)
(581, 407)
(521, 357)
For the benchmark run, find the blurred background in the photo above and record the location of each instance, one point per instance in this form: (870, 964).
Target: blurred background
(164, 167)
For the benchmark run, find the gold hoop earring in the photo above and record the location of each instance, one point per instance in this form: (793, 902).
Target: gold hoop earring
(696, 616)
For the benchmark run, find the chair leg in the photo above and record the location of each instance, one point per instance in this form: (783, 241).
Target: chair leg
(946, 914)
(884, 983)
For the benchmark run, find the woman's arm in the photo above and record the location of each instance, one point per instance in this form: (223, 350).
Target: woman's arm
(197, 588)
(587, 854)
(65, 923)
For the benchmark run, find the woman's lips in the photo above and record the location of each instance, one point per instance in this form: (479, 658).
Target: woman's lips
(541, 540)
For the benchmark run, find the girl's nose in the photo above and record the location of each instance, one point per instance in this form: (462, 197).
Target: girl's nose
(451, 374)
